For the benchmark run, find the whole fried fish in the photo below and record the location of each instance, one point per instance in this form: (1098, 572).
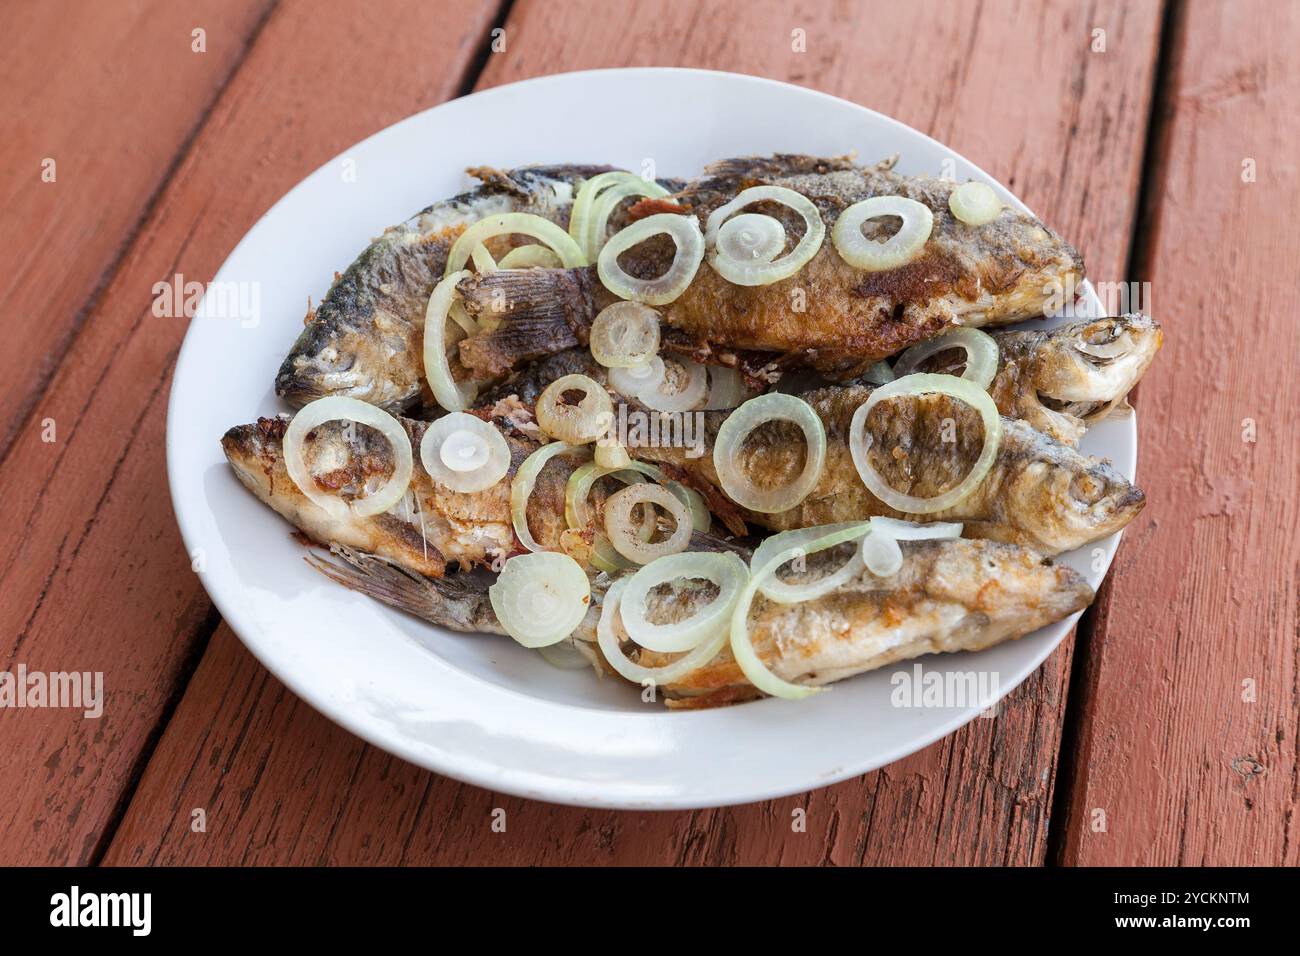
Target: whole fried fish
(1039, 492)
(832, 316)
(365, 339)
(951, 595)
(1064, 380)
(432, 526)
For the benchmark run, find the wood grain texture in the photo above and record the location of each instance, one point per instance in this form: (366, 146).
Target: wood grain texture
(111, 93)
(1188, 741)
(1062, 126)
(92, 569)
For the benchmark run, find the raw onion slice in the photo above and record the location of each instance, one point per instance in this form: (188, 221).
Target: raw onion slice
(899, 249)
(464, 453)
(701, 518)
(610, 454)
(774, 589)
(566, 656)
(975, 204)
(584, 202)
(774, 406)
(918, 384)
(482, 259)
(634, 379)
(521, 487)
(626, 537)
(606, 202)
(337, 408)
(686, 398)
(726, 388)
(607, 638)
(880, 551)
(575, 424)
(755, 268)
(514, 223)
(725, 570)
(742, 648)
(751, 237)
(578, 517)
(879, 374)
(451, 395)
(540, 598)
(624, 335)
(980, 348)
(532, 256)
(686, 235)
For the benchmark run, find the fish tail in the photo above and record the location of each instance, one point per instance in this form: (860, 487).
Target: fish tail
(459, 601)
(526, 314)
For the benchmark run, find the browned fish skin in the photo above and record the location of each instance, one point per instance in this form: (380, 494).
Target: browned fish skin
(365, 338)
(989, 275)
(955, 595)
(1039, 492)
(433, 527)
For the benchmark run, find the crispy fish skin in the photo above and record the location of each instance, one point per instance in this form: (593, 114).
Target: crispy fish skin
(834, 317)
(429, 529)
(952, 595)
(1046, 379)
(365, 338)
(1039, 493)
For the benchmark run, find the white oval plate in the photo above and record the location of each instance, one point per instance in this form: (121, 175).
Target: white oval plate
(483, 709)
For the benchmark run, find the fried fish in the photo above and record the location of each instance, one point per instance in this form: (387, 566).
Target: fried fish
(1039, 492)
(830, 315)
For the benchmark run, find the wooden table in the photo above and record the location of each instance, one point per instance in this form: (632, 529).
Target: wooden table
(1162, 139)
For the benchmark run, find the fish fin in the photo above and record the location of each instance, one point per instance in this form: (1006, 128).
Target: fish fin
(458, 601)
(527, 314)
(776, 166)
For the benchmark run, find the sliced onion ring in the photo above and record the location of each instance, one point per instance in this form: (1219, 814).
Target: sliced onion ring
(464, 453)
(899, 249)
(880, 551)
(540, 598)
(635, 379)
(774, 406)
(604, 206)
(726, 388)
(610, 454)
(451, 395)
(584, 203)
(531, 256)
(514, 223)
(742, 648)
(521, 487)
(626, 538)
(981, 355)
(975, 204)
(607, 638)
(918, 384)
(337, 408)
(575, 424)
(725, 570)
(624, 335)
(756, 270)
(686, 235)
(782, 592)
(690, 396)
(751, 237)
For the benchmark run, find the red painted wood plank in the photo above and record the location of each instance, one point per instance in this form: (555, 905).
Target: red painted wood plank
(1061, 124)
(1188, 746)
(92, 569)
(98, 101)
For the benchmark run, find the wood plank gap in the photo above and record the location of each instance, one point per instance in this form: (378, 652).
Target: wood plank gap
(475, 67)
(13, 427)
(198, 646)
(1173, 18)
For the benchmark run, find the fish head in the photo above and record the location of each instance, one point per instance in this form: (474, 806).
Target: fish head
(1063, 499)
(336, 359)
(1086, 369)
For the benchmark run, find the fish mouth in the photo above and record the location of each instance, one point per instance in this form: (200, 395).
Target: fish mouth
(1098, 366)
(1107, 501)
(300, 381)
